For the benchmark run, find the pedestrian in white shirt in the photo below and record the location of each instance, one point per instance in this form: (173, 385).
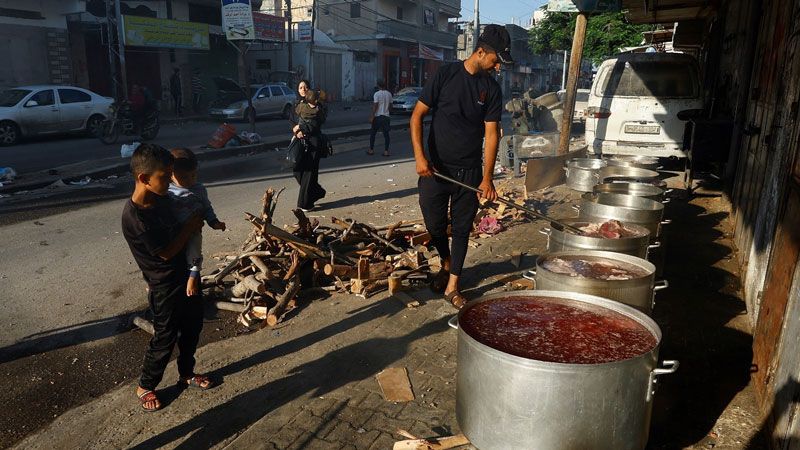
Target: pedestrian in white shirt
(381, 102)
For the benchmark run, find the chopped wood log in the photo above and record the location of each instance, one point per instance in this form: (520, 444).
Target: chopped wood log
(249, 283)
(337, 270)
(407, 300)
(290, 273)
(144, 324)
(275, 313)
(230, 306)
(420, 239)
(362, 269)
(439, 443)
(402, 224)
(261, 266)
(373, 287)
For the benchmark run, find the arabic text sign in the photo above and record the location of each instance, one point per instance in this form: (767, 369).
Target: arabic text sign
(164, 33)
(304, 31)
(237, 20)
(269, 27)
(584, 5)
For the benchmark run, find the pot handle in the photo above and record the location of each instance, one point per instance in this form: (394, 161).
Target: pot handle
(529, 274)
(576, 207)
(566, 172)
(453, 322)
(671, 366)
(660, 285)
(668, 190)
(545, 231)
(666, 221)
(666, 200)
(655, 244)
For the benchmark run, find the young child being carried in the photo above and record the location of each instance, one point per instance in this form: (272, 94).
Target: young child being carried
(189, 198)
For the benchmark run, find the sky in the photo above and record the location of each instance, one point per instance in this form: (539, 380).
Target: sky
(500, 11)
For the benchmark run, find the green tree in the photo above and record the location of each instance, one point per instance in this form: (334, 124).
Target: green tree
(605, 34)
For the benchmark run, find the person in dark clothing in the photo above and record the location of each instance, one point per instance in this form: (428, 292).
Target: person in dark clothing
(466, 103)
(306, 171)
(176, 91)
(197, 90)
(157, 242)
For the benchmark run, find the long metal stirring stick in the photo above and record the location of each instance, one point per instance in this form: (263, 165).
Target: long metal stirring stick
(514, 205)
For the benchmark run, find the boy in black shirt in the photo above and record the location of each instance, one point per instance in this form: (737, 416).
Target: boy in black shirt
(466, 105)
(157, 243)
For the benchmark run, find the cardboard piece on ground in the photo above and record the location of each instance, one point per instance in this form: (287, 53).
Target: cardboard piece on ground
(440, 443)
(395, 385)
(407, 300)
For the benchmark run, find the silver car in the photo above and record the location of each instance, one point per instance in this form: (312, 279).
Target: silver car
(49, 109)
(405, 100)
(274, 99)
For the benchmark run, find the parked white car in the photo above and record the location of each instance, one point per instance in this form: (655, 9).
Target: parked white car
(49, 109)
(274, 99)
(634, 104)
(581, 102)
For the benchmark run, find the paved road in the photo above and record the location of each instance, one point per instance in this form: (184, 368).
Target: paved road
(48, 152)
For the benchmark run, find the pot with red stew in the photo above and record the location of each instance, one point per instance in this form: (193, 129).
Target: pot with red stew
(555, 370)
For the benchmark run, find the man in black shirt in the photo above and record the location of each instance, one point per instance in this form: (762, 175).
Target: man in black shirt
(466, 103)
(157, 243)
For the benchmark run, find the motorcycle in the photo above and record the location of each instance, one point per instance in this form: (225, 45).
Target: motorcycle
(122, 121)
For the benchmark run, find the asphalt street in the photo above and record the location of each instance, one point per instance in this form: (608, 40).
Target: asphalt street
(44, 153)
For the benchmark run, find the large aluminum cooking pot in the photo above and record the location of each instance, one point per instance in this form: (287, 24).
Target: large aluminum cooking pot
(508, 402)
(638, 292)
(625, 208)
(621, 173)
(583, 173)
(645, 190)
(560, 240)
(642, 162)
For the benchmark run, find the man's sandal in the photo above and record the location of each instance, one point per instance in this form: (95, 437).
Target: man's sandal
(149, 397)
(439, 283)
(456, 299)
(197, 382)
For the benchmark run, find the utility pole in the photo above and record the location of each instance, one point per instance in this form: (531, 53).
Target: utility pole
(123, 72)
(112, 61)
(477, 25)
(564, 72)
(311, 44)
(291, 32)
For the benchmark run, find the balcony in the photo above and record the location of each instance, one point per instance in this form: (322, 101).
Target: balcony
(450, 7)
(392, 29)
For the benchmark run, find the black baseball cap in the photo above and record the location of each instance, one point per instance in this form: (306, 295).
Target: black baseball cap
(496, 37)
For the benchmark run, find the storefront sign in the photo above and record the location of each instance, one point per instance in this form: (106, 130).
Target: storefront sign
(269, 27)
(584, 5)
(425, 52)
(164, 33)
(237, 20)
(304, 31)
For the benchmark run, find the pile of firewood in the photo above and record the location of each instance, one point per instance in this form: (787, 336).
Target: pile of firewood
(274, 264)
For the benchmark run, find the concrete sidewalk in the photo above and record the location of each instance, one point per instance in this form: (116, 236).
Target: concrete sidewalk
(310, 382)
(100, 168)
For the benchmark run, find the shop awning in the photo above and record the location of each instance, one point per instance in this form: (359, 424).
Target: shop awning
(668, 11)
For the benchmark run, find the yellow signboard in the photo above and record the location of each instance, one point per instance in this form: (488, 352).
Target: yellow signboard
(165, 33)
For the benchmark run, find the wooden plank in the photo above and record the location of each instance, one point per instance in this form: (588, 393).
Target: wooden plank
(441, 443)
(405, 299)
(395, 385)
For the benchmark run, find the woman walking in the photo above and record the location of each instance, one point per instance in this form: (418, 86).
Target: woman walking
(308, 127)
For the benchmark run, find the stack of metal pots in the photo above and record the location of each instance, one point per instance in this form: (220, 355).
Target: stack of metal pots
(508, 402)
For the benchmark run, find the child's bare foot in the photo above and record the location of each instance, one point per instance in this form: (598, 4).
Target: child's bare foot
(192, 287)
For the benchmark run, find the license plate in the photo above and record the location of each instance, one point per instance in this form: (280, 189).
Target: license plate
(643, 129)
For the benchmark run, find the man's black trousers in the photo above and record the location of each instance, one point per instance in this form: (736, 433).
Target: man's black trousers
(435, 196)
(176, 318)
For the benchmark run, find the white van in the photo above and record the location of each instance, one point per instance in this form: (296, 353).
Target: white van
(634, 104)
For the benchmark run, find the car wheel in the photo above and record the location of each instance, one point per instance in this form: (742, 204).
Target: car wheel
(286, 111)
(9, 133)
(94, 125)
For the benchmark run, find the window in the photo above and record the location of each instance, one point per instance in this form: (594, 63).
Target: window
(649, 79)
(264, 92)
(429, 17)
(73, 96)
(276, 91)
(12, 96)
(400, 12)
(44, 98)
(355, 10)
(264, 64)
(286, 91)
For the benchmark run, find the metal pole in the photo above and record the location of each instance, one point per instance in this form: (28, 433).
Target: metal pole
(123, 71)
(112, 61)
(477, 25)
(291, 32)
(564, 72)
(572, 82)
(311, 45)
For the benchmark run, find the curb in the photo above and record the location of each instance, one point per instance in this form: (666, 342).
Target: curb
(115, 165)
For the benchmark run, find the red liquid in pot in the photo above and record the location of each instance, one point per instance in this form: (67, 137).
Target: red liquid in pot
(556, 330)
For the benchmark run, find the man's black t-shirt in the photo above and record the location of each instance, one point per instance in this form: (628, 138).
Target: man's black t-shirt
(461, 103)
(149, 231)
